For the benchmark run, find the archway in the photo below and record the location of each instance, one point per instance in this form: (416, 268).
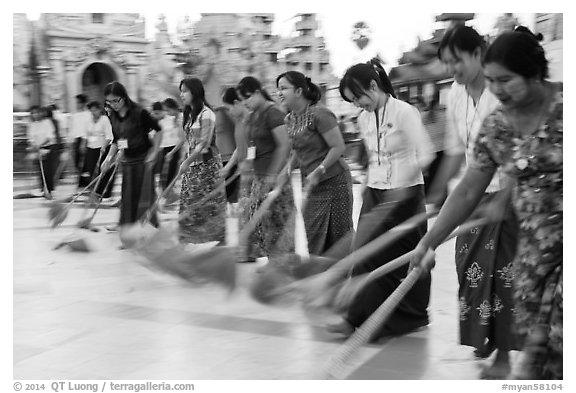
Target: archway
(94, 78)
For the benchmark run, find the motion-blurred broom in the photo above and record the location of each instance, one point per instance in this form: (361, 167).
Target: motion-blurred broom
(85, 223)
(58, 210)
(30, 157)
(47, 193)
(352, 286)
(336, 367)
(199, 264)
(320, 290)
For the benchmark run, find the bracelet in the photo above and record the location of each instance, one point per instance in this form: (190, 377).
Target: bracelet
(322, 168)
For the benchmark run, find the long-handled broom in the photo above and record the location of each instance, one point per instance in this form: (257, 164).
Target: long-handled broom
(30, 157)
(59, 210)
(319, 290)
(336, 367)
(47, 193)
(210, 264)
(351, 288)
(85, 223)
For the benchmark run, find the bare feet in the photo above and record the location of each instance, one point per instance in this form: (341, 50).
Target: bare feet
(499, 369)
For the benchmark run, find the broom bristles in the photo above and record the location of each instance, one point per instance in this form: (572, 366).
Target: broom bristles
(271, 286)
(197, 264)
(57, 213)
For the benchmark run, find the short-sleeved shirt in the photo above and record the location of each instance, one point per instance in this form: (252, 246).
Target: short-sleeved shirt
(98, 133)
(535, 160)
(398, 147)
(170, 128)
(42, 133)
(464, 119)
(225, 133)
(78, 124)
(311, 147)
(134, 127)
(259, 132)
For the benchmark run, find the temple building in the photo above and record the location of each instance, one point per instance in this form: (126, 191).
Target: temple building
(62, 55)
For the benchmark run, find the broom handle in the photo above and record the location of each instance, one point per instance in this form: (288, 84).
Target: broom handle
(265, 205)
(61, 167)
(380, 243)
(305, 257)
(210, 195)
(100, 175)
(148, 215)
(336, 365)
(44, 186)
(404, 259)
(116, 165)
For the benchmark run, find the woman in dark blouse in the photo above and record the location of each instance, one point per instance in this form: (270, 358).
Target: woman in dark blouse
(318, 144)
(266, 155)
(130, 126)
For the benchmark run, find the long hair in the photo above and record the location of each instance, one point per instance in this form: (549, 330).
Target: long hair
(358, 77)
(198, 99)
(50, 115)
(310, 91)
(116, 88)
(520, 52)
(250, 85)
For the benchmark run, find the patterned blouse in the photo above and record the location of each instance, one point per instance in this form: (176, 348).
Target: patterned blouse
(535, 160)
(201, 133)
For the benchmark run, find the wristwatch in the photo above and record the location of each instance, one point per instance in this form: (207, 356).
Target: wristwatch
(322, 168)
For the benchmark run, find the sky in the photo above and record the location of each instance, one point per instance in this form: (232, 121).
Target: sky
(389, 39)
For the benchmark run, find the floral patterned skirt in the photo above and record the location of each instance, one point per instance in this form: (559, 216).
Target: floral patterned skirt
(538, 294)
(205, 222)
(328, 213)
(484, 259)
(274, 235)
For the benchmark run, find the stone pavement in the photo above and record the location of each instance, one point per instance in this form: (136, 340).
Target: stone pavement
(104, 315)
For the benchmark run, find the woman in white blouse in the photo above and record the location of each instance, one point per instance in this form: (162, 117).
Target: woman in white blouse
(399, 149)
(44, 138)
(484, 256)
(98, 138)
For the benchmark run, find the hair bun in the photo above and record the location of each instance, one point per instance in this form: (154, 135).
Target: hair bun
(525, 30)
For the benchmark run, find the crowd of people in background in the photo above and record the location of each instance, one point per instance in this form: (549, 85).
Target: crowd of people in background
(504, 132)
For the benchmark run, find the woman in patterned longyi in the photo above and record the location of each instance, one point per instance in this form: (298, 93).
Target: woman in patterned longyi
(318, 144)
(200, 170)
(484, 255)
(267, 148)
(524, 137)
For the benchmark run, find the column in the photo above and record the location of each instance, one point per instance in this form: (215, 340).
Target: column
(132, 82)
(72, 85)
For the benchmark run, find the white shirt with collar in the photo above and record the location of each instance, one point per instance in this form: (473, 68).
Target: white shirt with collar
(78, 124)
(42, 133)
(464, 120)
(170, 130)
(98, 132)
(398, 148)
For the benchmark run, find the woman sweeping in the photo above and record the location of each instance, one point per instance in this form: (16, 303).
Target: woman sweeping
(485, 251)
(130, 126)
(524, 137)
(399, 148)
(200, 170)
(318, 144)
(266, 154)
